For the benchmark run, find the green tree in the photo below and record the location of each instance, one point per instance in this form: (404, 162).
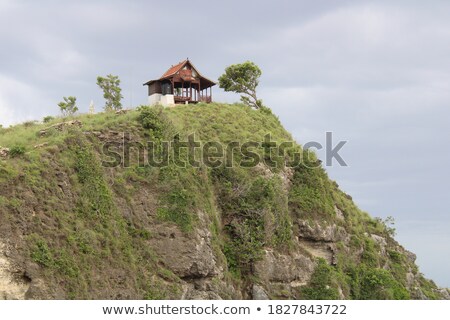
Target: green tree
(47, 119)
(69, 106)
(111, 92)
(389, 225)
(243, 78)
(323, 283)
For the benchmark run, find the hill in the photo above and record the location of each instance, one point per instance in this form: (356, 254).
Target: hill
(88, 213)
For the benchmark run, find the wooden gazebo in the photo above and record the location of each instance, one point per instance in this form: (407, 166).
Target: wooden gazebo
(181, 83)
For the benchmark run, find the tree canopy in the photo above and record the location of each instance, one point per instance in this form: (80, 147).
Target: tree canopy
(243, 78)
(111, 91)
(68, 107)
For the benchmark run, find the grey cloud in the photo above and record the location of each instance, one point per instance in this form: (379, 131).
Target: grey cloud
(376, 73)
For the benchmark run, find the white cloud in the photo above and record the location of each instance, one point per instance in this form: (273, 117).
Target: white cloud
(19, 101)
(5, 112)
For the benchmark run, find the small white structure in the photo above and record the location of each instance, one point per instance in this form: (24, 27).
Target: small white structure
(158, 98)
(91, 107)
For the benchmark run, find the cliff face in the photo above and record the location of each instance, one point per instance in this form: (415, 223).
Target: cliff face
(74, 225)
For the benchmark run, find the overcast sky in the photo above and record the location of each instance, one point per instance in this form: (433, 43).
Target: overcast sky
(375, 73)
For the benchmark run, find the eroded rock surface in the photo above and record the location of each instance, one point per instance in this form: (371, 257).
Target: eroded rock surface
(13, 284)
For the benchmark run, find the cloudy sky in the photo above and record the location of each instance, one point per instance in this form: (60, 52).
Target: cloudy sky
(375, 73)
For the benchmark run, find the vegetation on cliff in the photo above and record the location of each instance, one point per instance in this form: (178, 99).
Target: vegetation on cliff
(86, 226)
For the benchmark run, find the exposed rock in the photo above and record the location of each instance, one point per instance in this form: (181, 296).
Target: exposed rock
(411, 256)
(418, 294)
(285, 174)
(381, 242)
(444, 293)
(258, 293)
(215, 288)
(122, 111)
(39, 290)
(42, 145)
(410, 279)
(294, 269)
(116, 139)
(4, 152)
(191, 293)
(339, 213)
(158, 257)
(341, 294)
(316, 232)
(264, 170)
(13, 284)
(324, 250)
(60, 126)
(286, 177)
(188, 256)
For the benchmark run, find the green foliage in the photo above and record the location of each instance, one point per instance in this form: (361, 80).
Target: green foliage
(311, 194)
(370, 254)
(428, 288)
(257, 213)
(283, 230)
(363, 281)
(16, 151)
(111, 92)
(245, 244)
(60, 261)
(396, 257)
(92, 239)
(243, 78)
(96, 197)
(226, 123)
(379, 284)
(68, 107)
(323, 284)
(98, 231)
(47, 119)
(153, 119)
(255, 208)
(160, 290)
(14, 203)
(388, 225)
(41, 253)
(177, 207)
(30, 123)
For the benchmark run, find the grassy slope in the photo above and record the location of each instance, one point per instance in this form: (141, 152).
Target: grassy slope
(77, 240)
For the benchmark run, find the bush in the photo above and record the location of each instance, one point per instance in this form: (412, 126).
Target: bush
(245, 245)
(377, 284)
(257, 215)
(28, 124)
(16, 151)
(41, 253)
(151, 118)
(96, 197)
(47, 119)
(311, 191)
(323, 284)
(177, 208)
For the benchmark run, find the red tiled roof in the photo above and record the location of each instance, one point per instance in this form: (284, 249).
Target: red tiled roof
(174, 69)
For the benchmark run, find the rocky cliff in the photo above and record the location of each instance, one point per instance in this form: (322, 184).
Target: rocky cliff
(85, 215)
